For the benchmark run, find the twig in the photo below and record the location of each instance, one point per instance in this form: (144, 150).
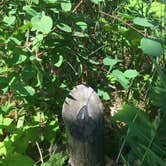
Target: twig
(77, 6)
(40, 153)
(124, 22)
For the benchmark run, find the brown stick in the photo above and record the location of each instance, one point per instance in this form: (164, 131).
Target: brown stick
(77, 6)
(125, 23)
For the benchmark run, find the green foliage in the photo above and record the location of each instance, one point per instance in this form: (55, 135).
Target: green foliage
(143, 136)
(49, 46)
(151, 47)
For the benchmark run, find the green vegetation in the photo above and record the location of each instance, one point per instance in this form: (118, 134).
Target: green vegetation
(49, 46)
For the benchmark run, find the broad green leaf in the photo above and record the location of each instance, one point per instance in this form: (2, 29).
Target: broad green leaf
(6, 108)
(30, 11)
(6, 148)
(80, 34)
(60, 61)
(143, 22)
(82, 25)
(9, 20)
(15, 40)
(97, 1)
(4, 69)
(18, 159)
(131, 73)
(5, 121)
(55, 10)
(121, 78)
(23, 90)
(108, 61)
(158, 8)
(126, 114)
(20, 121)
(66, 5)
(151, 47)
(42, 23)
(105, 96)
(35, 1)
(64, 27)
(21, 59)
(29, 90)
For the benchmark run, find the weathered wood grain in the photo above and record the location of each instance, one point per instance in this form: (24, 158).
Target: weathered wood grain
(83, 116)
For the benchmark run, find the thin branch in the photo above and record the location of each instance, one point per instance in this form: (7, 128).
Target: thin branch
(77, 6)
(40, 153)
(124, 22)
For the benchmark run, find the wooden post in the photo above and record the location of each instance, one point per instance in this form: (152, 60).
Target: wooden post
(83, 116)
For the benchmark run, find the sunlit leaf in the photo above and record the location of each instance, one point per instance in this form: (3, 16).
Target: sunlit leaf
(105, 96)
(131, 73)
(82, 25)
(108, 61)
(18, 159)
(9, 20)
(42, 23)
(66, 5)
(30, 11)
(142, 22)
(64, 27)
(121, 78)
(60, 61)
(151, 47)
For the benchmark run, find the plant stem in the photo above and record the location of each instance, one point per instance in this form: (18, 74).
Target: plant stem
(40, 153)
(124, 22)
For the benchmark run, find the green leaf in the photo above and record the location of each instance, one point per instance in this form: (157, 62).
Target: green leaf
(66, 5)
(130, 73)
(42, 23)
(6, 108)
(21, 59)
(121, 78)
(35, 1)
(30, 90)
(157, 8)
(64, 27)
(60, 61)
(105, 96)
(80, 34)
(9, 20)
(126, 114)
(108, 61)
(23, 90)
(6, 148)
(5, 121)
(82, 25)
(151, 47)
(30, 11)
(4, 69)
(56, 159)
(97, 1)
(18, 159)
(142, 22)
